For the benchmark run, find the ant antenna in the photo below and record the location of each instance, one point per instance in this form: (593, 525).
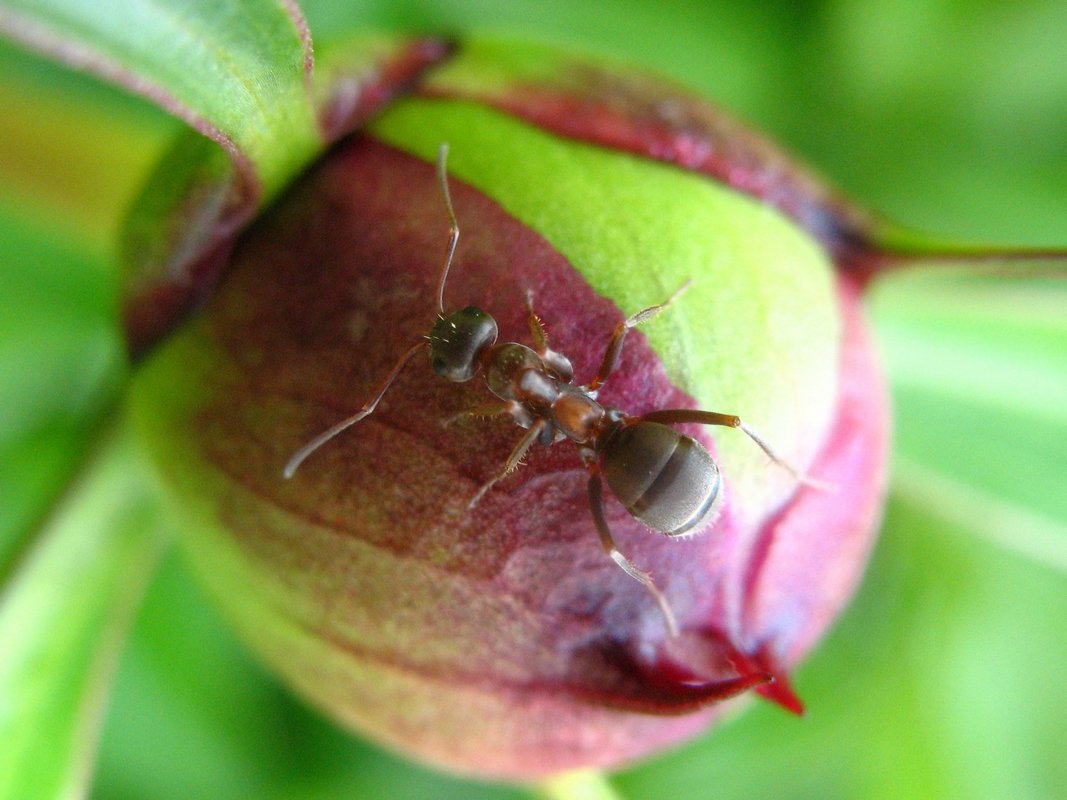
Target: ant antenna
(325, 436)
(453, 232)
(798, 475)
(453, 239)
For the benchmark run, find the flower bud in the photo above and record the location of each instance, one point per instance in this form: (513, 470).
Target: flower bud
(501, 640)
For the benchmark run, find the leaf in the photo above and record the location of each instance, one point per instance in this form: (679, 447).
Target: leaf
(978, 381)
(58, 118)
(179, 231)
(63, 620)
(1014, 528)
(238, 71)
(60, 369)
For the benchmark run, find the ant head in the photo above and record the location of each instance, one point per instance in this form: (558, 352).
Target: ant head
(457, 341)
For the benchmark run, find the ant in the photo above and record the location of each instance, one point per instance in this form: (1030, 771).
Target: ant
(665, 479)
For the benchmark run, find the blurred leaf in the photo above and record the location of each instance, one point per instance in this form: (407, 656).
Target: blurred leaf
(239, 72)
(979, 385)
(63, 620)
(1012, 527)
(191, 696)
(236, 70)
(57, 118)
(61, 368)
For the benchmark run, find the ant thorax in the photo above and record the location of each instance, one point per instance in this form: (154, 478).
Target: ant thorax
(519, 375)
(505, 365)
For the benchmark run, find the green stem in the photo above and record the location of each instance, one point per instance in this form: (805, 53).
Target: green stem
(903, 247)
(577, 785)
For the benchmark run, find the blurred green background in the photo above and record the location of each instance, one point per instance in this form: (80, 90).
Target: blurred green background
(943, 680)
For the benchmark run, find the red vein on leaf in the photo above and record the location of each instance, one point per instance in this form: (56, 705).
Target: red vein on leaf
(300, 24)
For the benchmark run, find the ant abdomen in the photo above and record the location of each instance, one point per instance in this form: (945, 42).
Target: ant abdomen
(665, 479)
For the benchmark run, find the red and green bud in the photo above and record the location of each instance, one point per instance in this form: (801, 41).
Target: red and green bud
(501, 640)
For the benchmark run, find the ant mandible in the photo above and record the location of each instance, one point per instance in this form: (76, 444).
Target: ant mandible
(665, 479)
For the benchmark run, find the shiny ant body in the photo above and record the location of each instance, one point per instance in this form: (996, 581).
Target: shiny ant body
(665, 479)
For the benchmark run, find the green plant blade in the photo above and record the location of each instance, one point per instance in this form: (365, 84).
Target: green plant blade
(57, 118)
(1013, 527)
(238, 71)
(61, 369)
(64, 614)
(177, 235)
(981, 396)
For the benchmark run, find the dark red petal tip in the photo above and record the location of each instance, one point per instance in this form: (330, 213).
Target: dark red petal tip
(781, 692)
(778, 689)
(691, 671)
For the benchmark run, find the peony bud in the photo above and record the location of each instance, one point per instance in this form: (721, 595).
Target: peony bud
(501, 640)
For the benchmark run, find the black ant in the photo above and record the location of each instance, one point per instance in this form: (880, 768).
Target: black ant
(665, 479)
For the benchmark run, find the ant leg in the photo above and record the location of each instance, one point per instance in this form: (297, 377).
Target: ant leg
(596, 505)
(513, 460)
(368, 408)
(518, 412)
(537, 328)
(556, 362)
(676, 415)
(611, 355)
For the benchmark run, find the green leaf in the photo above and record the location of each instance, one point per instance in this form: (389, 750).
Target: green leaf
(197, 200)
(979, 386)
(57, 118)
(61, 368)
(1012, 527)
(238, 71)
(63, 619)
